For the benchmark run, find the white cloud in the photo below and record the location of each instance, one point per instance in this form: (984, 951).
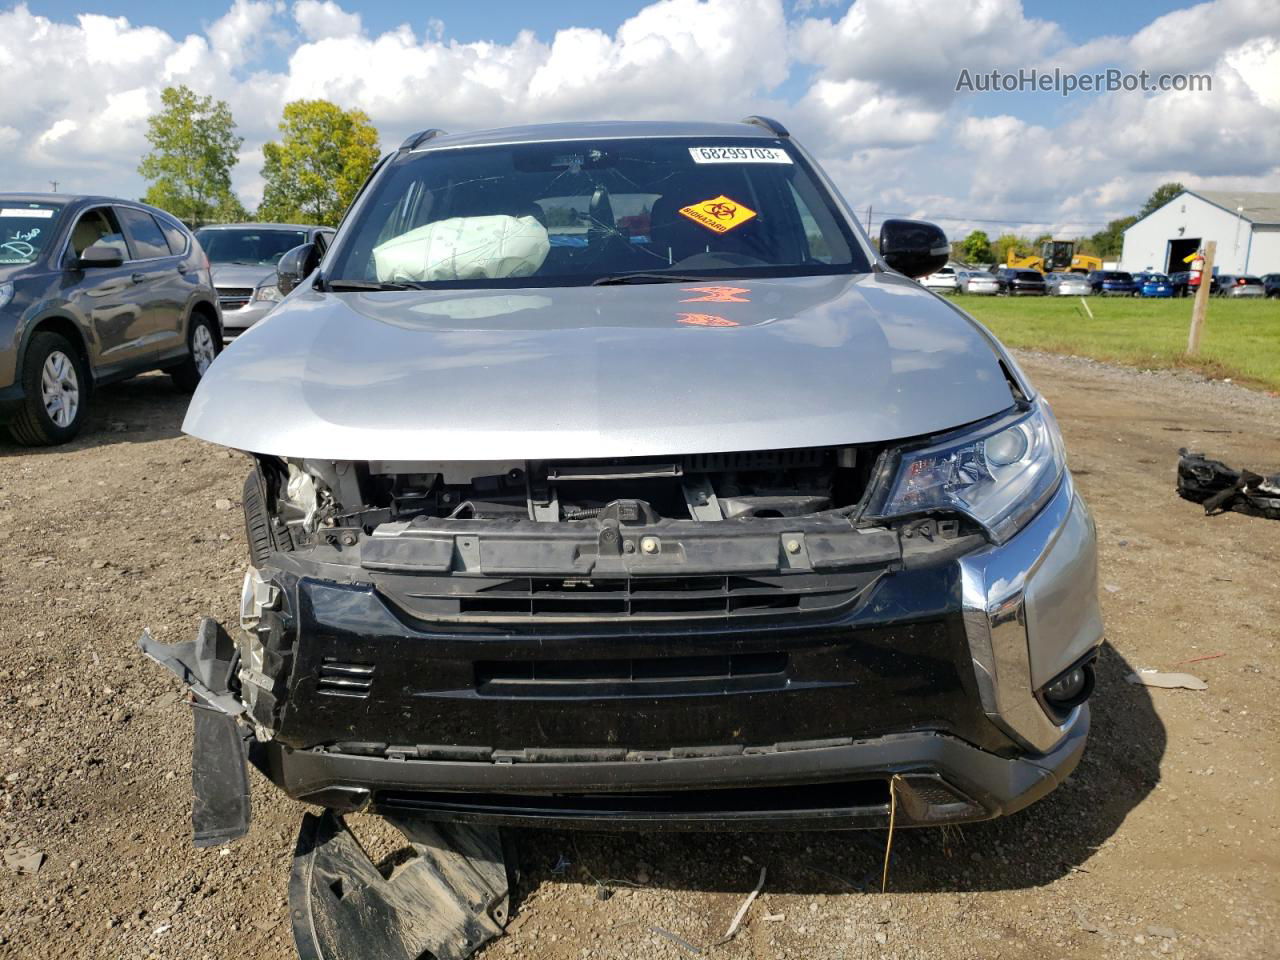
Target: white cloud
(323, 19)
(917, 48)
(870, 88)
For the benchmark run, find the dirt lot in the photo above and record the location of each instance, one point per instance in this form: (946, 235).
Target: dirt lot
(1164, 843)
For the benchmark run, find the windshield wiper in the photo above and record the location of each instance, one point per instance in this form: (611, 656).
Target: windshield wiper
(646, 278)
(341, 285)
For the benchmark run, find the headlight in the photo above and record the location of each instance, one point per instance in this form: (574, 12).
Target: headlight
(1000, 476)
(6, 294)
(270, 292)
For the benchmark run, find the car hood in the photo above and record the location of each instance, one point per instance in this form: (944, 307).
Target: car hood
(241, 275)
(585, 372)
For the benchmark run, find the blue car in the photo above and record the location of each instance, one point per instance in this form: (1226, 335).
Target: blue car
(1153, 285)
(1115, 283)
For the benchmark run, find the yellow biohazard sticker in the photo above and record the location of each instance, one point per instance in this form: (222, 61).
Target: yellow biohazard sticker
(720, 214)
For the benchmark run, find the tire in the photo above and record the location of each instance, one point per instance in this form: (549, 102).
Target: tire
(257, 522)
(257, 526)
(203, 346)
(55, 381)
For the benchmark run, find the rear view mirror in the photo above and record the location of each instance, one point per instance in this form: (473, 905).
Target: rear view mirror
(99, 255)
(295, 266)
(914, 247)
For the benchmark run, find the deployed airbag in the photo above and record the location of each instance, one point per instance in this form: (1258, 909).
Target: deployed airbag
(464, 248)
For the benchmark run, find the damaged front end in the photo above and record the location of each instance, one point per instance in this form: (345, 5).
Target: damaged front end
(664, 641)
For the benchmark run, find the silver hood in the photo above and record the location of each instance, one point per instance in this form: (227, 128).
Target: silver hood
(236, 275)
(614, 371)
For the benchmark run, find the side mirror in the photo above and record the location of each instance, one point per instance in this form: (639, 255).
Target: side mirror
(99, 255)
(295, 266)
(914, 247)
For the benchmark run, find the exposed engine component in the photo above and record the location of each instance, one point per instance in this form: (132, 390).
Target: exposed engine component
(313, 496)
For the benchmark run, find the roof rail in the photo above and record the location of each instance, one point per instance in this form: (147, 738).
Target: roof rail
(415, 140)
(770, 124)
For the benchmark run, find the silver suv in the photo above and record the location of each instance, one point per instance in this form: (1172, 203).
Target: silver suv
(94, 290)
(608, 476)
(244, 258)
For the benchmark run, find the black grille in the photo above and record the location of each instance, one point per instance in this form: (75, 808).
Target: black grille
(233, 298)
(756, 460)
(628, 597)
(345, 679)
(648, 676)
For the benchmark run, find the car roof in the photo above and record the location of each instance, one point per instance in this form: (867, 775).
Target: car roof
(596, 130)
(254, 225)
(59, 198)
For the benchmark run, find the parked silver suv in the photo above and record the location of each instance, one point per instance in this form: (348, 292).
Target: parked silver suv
(607, 476)
(94, 290)
(244, 258)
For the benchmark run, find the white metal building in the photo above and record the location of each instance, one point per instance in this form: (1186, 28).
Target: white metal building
(1245, 225)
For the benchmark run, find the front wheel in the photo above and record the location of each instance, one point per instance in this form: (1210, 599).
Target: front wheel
(55, 384)
(203, 345)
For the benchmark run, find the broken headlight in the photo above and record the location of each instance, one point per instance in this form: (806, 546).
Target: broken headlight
(1000, 475)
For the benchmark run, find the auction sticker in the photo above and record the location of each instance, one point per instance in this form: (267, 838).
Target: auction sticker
(719, 214)
(739, 155)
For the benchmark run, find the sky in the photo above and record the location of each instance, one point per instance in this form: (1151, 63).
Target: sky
(869, 87)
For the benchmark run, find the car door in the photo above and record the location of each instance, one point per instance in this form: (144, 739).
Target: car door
(103, 297)
(159, 287)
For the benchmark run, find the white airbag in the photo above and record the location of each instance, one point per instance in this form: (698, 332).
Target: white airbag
(464, 248)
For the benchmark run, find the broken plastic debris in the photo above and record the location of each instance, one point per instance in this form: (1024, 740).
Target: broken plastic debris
(24, 860)
(1221, 488)
(1154, 678)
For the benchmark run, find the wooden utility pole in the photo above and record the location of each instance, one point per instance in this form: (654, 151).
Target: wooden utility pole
(1201, 305)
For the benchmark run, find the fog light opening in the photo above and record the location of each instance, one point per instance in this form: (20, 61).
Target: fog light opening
(1070, 688)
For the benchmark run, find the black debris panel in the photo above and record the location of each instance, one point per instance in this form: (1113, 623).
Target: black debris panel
(1221, 488)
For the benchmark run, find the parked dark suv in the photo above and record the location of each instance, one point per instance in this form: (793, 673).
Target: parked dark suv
(1021, 283)
(1113, 283)
(93, 290)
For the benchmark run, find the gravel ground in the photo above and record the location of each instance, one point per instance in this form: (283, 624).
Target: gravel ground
(1163, 843)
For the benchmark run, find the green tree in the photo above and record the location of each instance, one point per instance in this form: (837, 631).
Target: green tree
(323, 156)
(1109, 242)
(193, 149)
(1006, 242)
(1160, 196)
(976, 248)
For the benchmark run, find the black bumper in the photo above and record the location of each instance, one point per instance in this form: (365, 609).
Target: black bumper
(937, 778)
(793, 722)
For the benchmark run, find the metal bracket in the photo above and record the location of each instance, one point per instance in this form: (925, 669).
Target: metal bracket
(701, 498)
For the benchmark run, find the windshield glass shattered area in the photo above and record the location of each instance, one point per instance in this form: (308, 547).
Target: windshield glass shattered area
(25, 230)
(575, 212)
(249, 247)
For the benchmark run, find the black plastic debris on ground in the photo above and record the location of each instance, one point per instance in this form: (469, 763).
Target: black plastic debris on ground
(450, 899)
(1221, 488)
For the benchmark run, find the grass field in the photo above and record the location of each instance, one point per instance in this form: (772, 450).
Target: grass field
(1241, 339)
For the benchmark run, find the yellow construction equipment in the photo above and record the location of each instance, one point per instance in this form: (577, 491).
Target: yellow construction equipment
(1056, 256)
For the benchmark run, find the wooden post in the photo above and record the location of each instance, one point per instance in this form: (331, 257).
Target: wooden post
(1201, 305)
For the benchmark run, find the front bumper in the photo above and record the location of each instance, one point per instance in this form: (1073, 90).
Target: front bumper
(926, 680)
(236, 322)
(938, 778)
